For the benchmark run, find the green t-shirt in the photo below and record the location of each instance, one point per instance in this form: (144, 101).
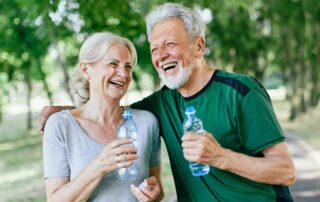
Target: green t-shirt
(237, 110)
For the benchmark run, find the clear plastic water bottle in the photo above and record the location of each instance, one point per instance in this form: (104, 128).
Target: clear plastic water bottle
(193, 124)
(128, 129)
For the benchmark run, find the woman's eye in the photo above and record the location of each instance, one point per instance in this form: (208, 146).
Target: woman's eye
(112, 64)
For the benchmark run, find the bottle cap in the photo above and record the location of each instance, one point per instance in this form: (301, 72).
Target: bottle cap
(190, 110)
(127, 113)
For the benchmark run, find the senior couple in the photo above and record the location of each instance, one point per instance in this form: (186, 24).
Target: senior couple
(243, 142)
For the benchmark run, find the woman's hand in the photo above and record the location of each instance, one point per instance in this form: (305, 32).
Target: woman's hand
(117, 154)
(149, 190)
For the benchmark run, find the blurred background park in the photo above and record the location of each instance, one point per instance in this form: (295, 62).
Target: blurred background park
(277, 42)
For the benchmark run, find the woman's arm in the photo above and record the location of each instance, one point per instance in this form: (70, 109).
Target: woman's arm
(79, 189)
(114, 156)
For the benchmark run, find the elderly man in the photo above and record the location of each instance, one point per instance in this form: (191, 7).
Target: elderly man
(243, 141)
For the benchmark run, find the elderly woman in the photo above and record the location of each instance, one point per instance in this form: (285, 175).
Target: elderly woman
(81, 151)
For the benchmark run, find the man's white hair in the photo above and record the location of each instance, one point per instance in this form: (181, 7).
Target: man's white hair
(192, 20)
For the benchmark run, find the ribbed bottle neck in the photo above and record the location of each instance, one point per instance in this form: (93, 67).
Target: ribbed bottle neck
(191, 116)
(127, 117)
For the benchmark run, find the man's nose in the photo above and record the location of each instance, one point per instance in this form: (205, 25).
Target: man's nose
(162, 53)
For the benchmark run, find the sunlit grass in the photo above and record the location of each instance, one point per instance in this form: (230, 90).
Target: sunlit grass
(21, 161)
(306, 126)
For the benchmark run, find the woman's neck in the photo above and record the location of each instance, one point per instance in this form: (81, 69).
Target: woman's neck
(104, 112)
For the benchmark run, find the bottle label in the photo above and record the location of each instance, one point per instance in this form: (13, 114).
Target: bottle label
(122, 134)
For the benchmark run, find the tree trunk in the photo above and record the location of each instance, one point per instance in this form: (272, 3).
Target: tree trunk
(292, 89)
(1, 96)
(260, 66)
(44, 81)
(314, 97)
(29, 91)
(317, 67)
(62, 63)
(293, 97)
(301, 74)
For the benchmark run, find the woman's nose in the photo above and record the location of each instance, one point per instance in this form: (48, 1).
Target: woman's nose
(121, 71)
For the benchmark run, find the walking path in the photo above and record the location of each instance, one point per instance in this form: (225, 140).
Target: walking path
(307, 162)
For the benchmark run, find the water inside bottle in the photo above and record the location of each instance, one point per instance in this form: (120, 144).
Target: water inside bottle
(198, 169)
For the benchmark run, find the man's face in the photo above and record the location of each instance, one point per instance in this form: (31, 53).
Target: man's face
(172, 53)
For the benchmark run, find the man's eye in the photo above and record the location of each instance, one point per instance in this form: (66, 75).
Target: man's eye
(171, 44)
(154, 51)
(128, 67)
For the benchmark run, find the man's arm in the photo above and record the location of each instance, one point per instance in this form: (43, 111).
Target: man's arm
(275, 167)
(46, 112)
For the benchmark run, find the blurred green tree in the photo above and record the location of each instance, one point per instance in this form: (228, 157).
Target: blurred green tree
(246, 36)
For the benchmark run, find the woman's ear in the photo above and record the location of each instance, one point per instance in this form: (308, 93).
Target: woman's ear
(199, 47)
(84, 70)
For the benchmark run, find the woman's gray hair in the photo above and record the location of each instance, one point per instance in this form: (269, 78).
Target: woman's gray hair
(91, 51)
(79, 87)
(192, 20)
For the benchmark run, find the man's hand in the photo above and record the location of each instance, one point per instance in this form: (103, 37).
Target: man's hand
(275, 167)
(149, 190)
(46, 112)
(202, 148)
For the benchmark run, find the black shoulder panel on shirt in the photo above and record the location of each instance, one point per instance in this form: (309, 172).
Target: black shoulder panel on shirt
(242, 88)
(282, 193)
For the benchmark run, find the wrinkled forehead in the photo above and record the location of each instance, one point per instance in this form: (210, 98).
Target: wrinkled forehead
(120, 52)
(172, 28)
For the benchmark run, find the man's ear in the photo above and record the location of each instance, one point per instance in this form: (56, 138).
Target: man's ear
(84, 70)
(199, 47)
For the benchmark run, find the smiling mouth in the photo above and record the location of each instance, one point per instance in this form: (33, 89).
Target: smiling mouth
(169, 65)
(117, 83)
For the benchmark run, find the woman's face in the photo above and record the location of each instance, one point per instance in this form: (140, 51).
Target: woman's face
(111, 75)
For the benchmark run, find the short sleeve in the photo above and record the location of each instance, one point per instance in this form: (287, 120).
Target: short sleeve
(55, 161)
(258, 125)
(155, 157)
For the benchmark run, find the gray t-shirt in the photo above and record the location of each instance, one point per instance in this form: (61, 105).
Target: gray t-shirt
(67, 150)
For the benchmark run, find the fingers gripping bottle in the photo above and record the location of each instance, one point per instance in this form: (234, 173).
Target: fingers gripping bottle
(193, 124)
(128, 129)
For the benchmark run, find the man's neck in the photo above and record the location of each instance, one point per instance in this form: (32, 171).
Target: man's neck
(199, 78)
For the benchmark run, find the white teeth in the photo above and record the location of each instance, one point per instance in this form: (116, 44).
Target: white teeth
(120, 83)
(166, 65)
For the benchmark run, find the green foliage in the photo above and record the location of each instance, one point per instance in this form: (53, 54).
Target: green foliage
(248, 36)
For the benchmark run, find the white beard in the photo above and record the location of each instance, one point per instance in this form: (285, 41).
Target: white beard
(177, 81)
